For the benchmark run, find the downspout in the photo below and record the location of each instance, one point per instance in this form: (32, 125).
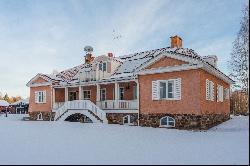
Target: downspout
(138, 99)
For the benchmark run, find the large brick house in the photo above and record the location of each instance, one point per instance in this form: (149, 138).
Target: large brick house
(166, 87)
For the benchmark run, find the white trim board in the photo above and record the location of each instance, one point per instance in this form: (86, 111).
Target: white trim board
(170, 69)
(169, 55)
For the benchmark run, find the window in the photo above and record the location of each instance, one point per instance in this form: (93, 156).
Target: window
(129, 120)
(121, 93)
(167, 89)
(170, 89)
(86, 94)
(163, 90)
(167, 122)
(72, 96)
(40, 116)
(226, 94)
(40, 97)
(103, 94)
(103, 66)
(209, 90)
(219, 93)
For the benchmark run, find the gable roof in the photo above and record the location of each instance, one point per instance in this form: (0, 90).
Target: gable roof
(131, 64)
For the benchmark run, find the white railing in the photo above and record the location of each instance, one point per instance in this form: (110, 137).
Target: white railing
(57, 105)
(80, 105)
(118, 104)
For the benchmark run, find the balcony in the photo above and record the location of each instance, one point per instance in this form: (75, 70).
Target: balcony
(110, 104)
(118, 104)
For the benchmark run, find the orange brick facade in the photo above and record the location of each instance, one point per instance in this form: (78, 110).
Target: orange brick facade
(164, 62)
(209, 107)
(193, 94)
(40, 107)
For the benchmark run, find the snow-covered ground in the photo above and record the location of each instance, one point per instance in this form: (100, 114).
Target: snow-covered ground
(24, 142)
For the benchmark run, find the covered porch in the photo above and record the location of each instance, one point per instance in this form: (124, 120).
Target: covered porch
(107, 96)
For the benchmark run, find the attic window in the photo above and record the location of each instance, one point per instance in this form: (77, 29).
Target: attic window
(103, 66)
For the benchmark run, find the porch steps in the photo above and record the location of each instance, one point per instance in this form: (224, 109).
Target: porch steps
(81, 106)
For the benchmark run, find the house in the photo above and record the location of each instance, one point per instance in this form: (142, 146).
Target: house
(3, 106)
(20, 106)
(170, 87)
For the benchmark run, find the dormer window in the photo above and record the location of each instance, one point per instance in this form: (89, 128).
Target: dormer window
(103, 66)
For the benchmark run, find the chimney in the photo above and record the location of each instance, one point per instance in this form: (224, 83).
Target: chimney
(110, 54)
(89, 58)
(176, 42)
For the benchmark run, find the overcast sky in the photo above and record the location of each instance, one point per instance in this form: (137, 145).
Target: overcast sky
(39, 36)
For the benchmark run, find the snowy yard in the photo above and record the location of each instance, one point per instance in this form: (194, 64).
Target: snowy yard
(25, 142)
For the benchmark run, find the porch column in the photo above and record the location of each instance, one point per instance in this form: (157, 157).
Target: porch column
(98, 92)
(138, 100)
(66, 94)
(80, 93)
(116, 95)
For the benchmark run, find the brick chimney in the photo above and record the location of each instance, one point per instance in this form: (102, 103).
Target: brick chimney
(89, 58)
(176, 42)
(110, 54)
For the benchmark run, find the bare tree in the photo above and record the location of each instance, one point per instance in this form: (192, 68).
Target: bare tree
(239, 63)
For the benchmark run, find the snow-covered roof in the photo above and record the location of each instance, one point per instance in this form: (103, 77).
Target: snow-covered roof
(129, 64)
(24, 101)
(4, 103)
(132, 62)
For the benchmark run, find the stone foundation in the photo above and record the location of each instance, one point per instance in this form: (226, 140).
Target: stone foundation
(47, 116)
(117, 118)
(185, 121)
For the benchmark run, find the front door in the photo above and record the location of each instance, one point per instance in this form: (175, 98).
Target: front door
(72, 96)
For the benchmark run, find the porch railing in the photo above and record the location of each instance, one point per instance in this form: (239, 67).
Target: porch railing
(58, 105)
(118, 104)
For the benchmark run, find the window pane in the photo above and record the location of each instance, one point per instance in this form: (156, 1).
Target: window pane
(162, 90)
(125, 120)
(164, 121)
(100, 66)
(170, 89)
(135, 92)
(104, 66)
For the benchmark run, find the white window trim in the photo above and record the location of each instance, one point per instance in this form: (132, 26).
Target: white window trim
(129, 118)
(166, 81)
(40, 116)
(210, 89)
(37, 95)
(101, 63)
(167, 126)
(220, 95)
(226, 94)
(89, 94)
